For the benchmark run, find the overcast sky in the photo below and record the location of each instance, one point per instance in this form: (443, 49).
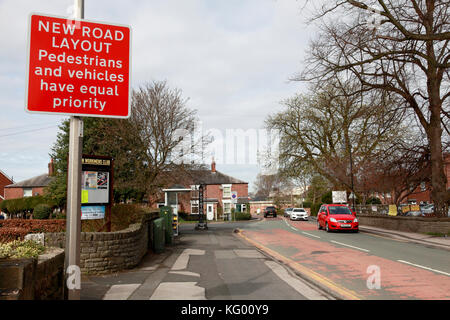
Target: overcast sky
(231, 58)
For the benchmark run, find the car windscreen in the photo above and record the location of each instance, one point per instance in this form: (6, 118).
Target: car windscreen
(339, 210)
(299, 210)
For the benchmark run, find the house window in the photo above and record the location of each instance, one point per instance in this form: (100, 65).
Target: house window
(226, 190)
(194, 191)
(194, 207)
(27, 192)
(226, 207)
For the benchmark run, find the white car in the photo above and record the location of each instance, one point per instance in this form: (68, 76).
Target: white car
(299, 214)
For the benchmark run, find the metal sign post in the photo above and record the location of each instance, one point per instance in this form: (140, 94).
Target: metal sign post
(201, 223)
(73, 224)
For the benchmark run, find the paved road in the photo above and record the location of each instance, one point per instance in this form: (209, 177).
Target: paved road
(343, 262)
(204, 265)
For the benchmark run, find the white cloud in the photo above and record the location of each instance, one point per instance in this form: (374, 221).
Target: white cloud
(231, 58)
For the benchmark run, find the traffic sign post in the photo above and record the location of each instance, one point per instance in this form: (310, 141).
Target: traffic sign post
(77, 68)
(234, 201)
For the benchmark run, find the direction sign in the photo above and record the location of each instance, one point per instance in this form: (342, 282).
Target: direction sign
(78, 68)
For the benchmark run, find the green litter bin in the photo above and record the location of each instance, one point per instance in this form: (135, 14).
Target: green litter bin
(159, 235)
(166, 213)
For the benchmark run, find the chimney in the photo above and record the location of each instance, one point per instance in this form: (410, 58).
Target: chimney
(51, 168)
(213, 165)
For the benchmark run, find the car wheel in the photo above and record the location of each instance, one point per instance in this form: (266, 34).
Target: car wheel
(327, 228)
(319, 226)
(275, 216)
(265, 216)
(356, 231)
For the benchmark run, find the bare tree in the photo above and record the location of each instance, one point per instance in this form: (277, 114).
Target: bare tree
(150, 143)
(322, 129)
(400, 47)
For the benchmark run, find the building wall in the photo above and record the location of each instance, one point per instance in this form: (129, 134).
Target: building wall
(14, 193)
(212, 191)
(4, 181)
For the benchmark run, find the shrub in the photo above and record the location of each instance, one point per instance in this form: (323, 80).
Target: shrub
(34, 226)
(8, 234)
(21, 249)
(42, 211)
(307, 204)
(315, 208)
(122, 215)
(188, 217)
(243, 216)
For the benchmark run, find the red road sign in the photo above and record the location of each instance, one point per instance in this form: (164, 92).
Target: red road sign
(79, 68)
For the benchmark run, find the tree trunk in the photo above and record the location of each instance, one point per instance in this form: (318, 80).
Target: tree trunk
(438, 178)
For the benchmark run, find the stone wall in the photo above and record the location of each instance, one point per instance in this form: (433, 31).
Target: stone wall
(33, 279)
(106, 252)
(406, 224)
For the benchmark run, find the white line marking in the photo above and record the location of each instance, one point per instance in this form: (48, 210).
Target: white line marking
(185, 273)
(295, 229)
(120, 291)
(423, 267)
(295, 283)
(312, 235)
(183, 259)
(343, 244)
(178, 291)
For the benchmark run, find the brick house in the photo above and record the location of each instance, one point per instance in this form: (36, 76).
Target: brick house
(30, 187)
(4, 181)
(422, 194)
(217, 193)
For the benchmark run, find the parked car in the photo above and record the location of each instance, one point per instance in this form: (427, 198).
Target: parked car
(287, 212)
(299, 214)
(270, 211)
(337, 217)
(414, 214)
(427, 209)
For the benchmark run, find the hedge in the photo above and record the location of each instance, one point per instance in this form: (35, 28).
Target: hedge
(17, 229)
(8, 234)
(20, 205)
(243, 216)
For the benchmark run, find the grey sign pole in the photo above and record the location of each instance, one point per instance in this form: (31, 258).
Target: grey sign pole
(73, 224)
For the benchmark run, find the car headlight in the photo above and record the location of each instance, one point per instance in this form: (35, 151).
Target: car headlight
(333, 220)
(356, 220)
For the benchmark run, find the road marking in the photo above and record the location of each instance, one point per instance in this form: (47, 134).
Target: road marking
(295, 229)
(343, 244)
(295, 283)
(183, 259)
(423, 267)
(178, 291)
(308, 273)
(185, 273)
(312, 235)
(120, 291)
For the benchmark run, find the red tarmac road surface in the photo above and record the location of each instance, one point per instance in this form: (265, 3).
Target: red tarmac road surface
(348, 267)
